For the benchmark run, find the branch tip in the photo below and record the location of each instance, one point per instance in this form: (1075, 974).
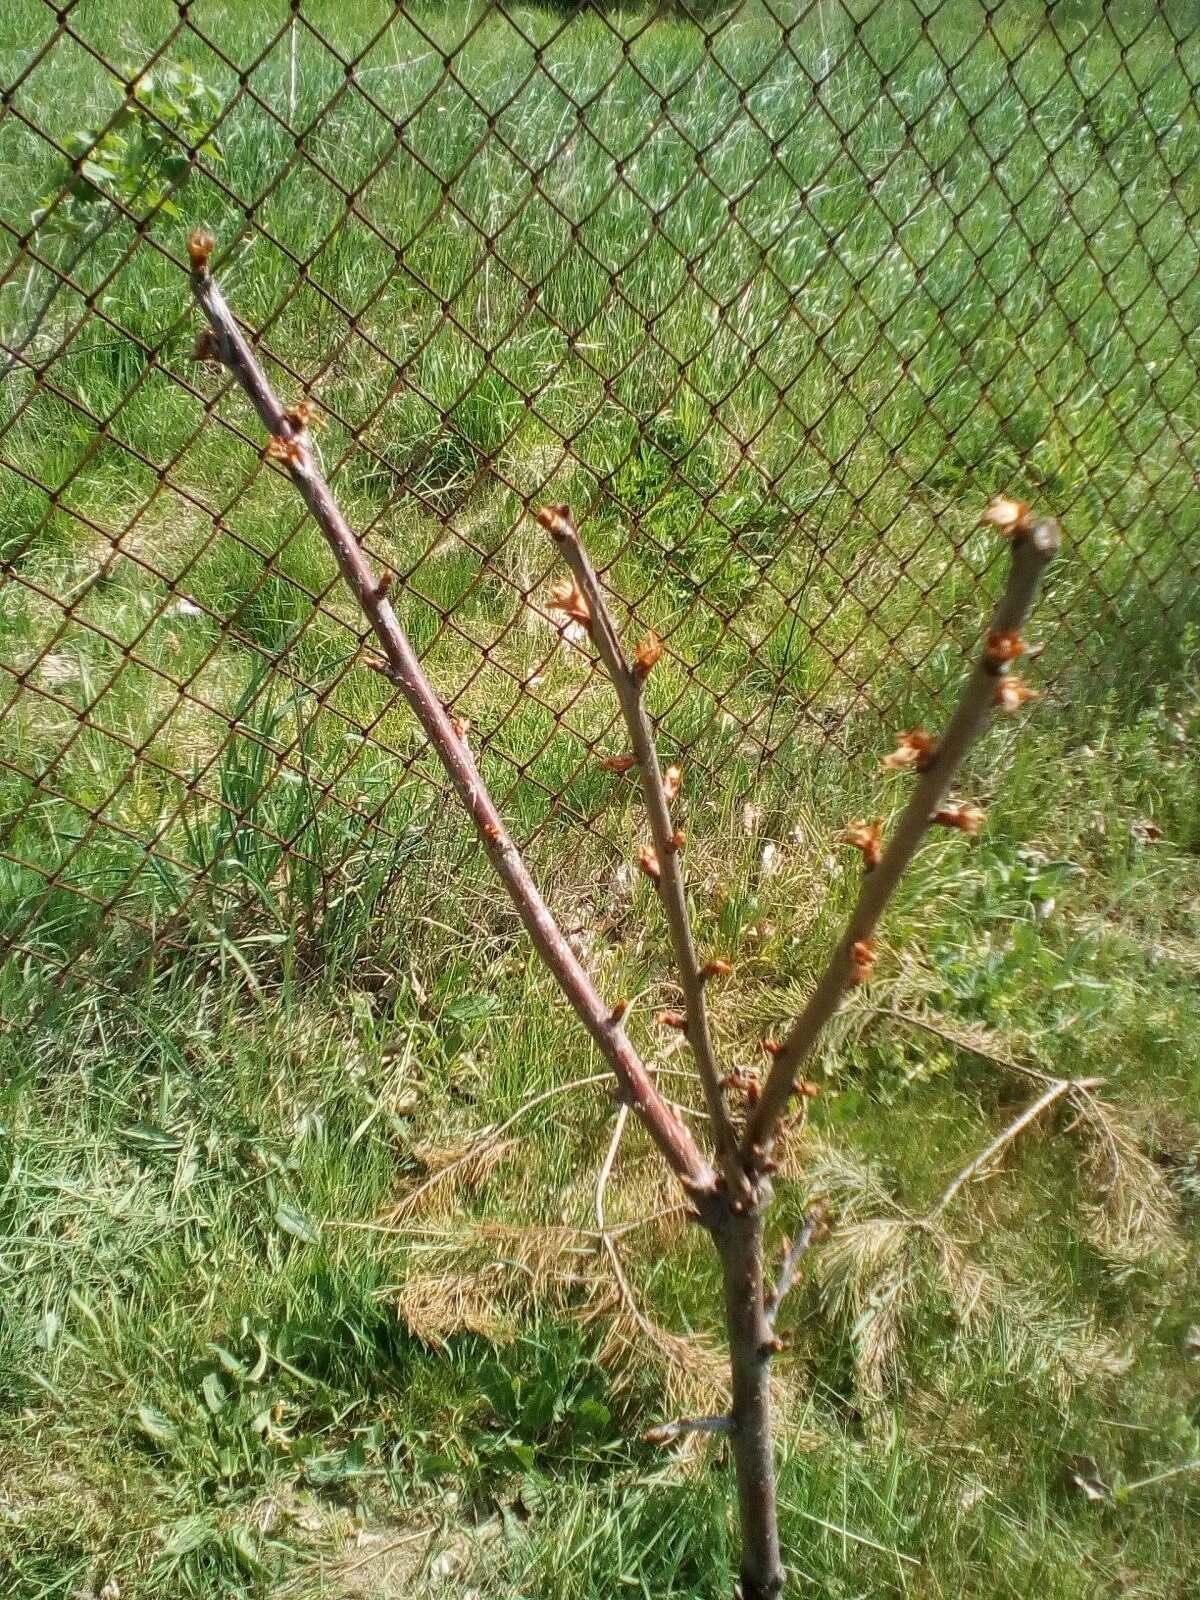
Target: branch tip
(1010, 517)
(557, 521)
(200, 247)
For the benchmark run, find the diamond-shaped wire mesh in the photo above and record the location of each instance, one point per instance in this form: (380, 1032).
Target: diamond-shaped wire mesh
(774, 294)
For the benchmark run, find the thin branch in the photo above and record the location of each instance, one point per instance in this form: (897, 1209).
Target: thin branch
(1081, 1087)
(984, 1159)
(1032, 548)
(630, 687)
(675, 1430)
(490, 1136)
(813, 1224)
(963, 1041)
(1161, 1477)
(290, 445)
(608, 1244)
(460, 1237)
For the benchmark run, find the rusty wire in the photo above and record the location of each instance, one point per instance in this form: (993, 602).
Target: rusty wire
(1119, 69)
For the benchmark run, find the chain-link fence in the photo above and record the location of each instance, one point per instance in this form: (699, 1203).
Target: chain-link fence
(774, 294)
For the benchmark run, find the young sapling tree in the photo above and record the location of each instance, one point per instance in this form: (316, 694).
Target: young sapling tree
(729, 1187)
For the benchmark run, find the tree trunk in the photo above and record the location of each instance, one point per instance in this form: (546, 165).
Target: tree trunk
(739, 1239)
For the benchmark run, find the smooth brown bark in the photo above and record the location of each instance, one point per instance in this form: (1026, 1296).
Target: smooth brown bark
(739, 1241)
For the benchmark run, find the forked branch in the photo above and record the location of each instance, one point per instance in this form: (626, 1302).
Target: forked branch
(289, 445)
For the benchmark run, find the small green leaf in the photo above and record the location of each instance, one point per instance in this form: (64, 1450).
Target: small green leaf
(592, 1416)
(231, 1364)
(214, 1393)
(155, 1423)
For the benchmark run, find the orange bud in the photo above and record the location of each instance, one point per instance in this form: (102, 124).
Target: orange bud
(207, 346)
(491, 831)
(567, 596)
(286, 450)
(718, 967)
(384, 584)
(672, 783)
(200, 247)
(673, 1019)
(556, 520)
(1009, 516)
(742, 1081)
(617, 1013)
(461, 726)
(618, 763)
(966, 818)
(807, 1089)
(1011, 693)
(862, 960)
(867, 837)
(647, 655)
(1003, 647)
(678, 839)
(648, 862)
(915, 749)
(304, 414)
(773, 1047)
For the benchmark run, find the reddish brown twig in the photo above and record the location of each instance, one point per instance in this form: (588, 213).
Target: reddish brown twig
(289, 444)
(1032, 547)
(629, 683)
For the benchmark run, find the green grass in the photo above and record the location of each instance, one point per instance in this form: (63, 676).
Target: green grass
(259, 988)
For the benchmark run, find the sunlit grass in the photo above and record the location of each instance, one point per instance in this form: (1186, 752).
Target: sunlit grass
(261, 986)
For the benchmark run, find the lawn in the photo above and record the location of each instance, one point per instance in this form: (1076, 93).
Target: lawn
(302, 1290)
